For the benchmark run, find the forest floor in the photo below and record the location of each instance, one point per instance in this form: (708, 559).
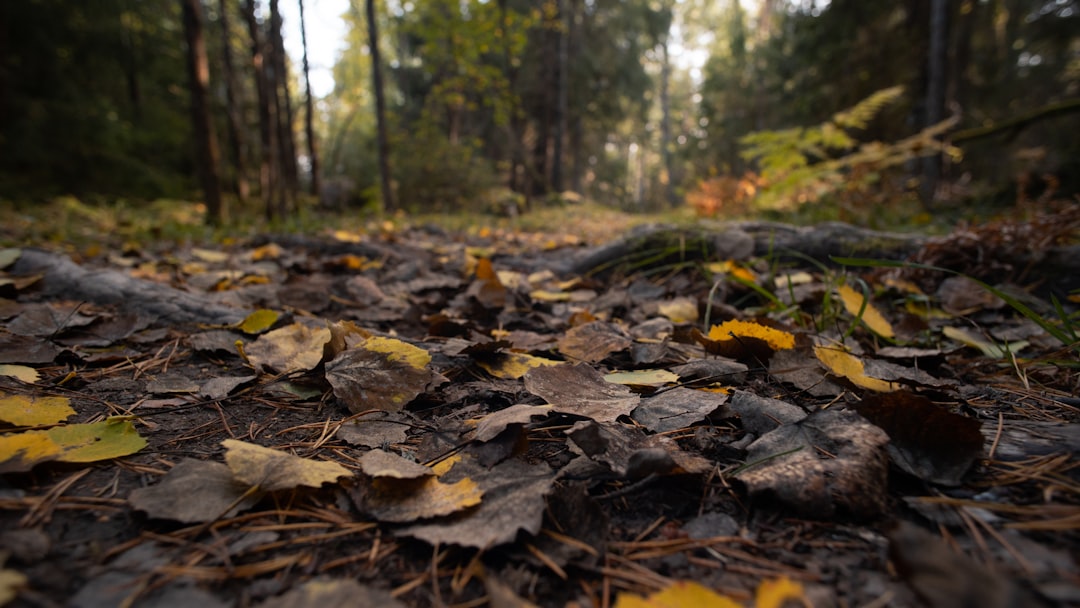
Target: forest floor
(413, 416)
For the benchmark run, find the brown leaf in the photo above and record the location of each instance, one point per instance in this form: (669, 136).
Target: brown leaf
(593, 342)
(925, 439)
(581, 390)
(194, 491)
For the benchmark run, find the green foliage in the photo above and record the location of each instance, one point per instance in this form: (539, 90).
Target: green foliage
(803, 165)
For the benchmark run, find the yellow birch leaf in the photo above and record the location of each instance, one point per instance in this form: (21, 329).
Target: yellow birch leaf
(512, 366)
(21, 451)
(871, 316)
(22, 410)
(110, 438)
(273, 470)
(396, 350)
(775, 338)
(22, 372)
(778, 592)
(258, 321)
(679, 594)
(679, 310)
(10, 583)
(842, 363)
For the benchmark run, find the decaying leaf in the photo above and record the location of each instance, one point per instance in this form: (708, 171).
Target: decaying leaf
(380, 373)
(380, 463)
(397, 500)
(581, 390)
(333, 593)
(925, 439)
(513, 501)
(195, 491)
(11, 581)
(630, 453)
(677, 408)
(273, 470)
(830, 464)
(292, 348)
(24, 410)
(679, 310)
(857, 306)
(489, 427)
(593, 342)
(744, 340)
(643, 377)
(375, 430)
(21, 372)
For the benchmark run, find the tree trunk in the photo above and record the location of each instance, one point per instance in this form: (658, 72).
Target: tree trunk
(559, 129)
(666, 185)
(285, 121)
(268, 173)
(309, 130)
(577, 153)
(206, 152)
(935, 91)
(388, 202)
(232, 109)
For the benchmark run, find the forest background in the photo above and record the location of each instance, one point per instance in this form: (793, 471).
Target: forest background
(871, 112)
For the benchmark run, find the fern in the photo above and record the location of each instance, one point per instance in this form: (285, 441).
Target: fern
(801, 165)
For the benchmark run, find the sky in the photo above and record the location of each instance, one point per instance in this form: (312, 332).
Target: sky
(326, 32)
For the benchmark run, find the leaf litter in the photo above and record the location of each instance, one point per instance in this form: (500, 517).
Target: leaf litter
(391, 417)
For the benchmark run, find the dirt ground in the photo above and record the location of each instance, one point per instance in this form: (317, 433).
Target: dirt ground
(576, 509)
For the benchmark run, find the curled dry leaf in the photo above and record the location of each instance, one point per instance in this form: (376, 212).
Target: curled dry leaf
(273, 470)
(380, 373)
(581, 390)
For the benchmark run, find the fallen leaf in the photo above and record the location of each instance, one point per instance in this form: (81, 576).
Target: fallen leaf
(989, 349)
(380, 463)
(778, 592)
(679, 594)
(844, 364)
(371, 431)
(679, 310)
(490, 426)
(630, 453)
(676, 409)
(110, 438)
(273, 470)
(8, 257)
(594, 341)
(744, 340)
(512, 366)
(194, 491)
(20, 372)
(925, 439)
(643, 377)
(513, 501)
(831, 464)
(581, 390)
(258, 321)
(857, 306)
(11, 581)
(292, 348)
(385, 377)
(397, 500)
(333, 593)
(23, 410)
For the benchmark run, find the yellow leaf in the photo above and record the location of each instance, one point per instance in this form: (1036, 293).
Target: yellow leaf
(9, 257)
(776, 593)
(10, 583)
(775, 338)
(22, 410)
(990, 349)
(346, 236)
(514, 365)
(643, 377)
(273, 470)
(396, 350)
(679, 594)
(110, 438)
(258, 321)
(22, 372)
(734, 269)
(871, 316)
(210, 256)
(288, 349)
(270, 251)
(20, 452)
(404, 500)
(543, 295)
(845, 364)
(679, 310)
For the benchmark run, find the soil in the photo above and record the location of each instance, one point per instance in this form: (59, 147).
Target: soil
(1008, 531)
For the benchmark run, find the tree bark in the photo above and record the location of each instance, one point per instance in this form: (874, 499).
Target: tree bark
(268, 173)
(283, 101)
(389, 204)
(206, 152)
(309, 130)
(666, 185)
(232, 109)
(935, 91)
(559, 128)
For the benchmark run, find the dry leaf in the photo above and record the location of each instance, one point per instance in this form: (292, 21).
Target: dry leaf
(273, 470)
(844, 364)
(679, 594)
(194, 491)
(292, 348)
(581, 390)
(23, 410)
(854, 302)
